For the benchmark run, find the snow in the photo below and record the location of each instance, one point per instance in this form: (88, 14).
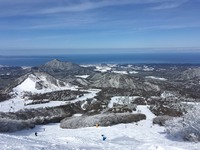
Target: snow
(133, 72)
(103, 68)
(110, 67)
(77, 115)
(146, 68)
(120, 72)
(120, 100)
(2, 66)
(156, 78)
(136, 68)
(28, 85)
(144, 110)
(82, 76)
(7, 74)
(18, 103)
(26, 67)
(131, 136)
(92, 93)
(82, 106)
(166, 94)
(12, 105)
(191, 103)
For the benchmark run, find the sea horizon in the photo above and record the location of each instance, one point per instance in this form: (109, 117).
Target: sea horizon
(119, 58)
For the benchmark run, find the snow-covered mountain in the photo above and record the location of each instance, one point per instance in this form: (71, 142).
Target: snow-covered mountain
(121, 81)
(191, 73)
(41, 82)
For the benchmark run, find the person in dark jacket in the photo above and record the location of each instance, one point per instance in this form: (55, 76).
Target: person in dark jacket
(36, 134)
(104, 137)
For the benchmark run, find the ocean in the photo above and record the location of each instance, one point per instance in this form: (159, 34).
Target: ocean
(138, 58)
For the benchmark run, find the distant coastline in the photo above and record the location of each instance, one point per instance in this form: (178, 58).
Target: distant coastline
(137, 58)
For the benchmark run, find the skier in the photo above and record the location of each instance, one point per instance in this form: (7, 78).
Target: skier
(36, 134)
(104, 137)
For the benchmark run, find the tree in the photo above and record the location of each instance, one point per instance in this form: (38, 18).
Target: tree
(187, 126)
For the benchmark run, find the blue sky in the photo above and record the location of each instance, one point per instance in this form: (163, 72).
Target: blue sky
(98, 26)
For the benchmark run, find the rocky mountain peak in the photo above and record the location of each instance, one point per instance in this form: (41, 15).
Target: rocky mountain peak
(55, 60)
(60, 69)
(59, 65)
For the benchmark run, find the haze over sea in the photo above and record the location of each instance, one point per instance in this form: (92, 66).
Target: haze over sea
(133, 58)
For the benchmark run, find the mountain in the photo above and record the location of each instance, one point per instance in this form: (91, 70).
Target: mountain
(8, 75)
(61, 70)
(178, 78)
(59, 65)
(103, 80)
(40, 82)
(191, 73)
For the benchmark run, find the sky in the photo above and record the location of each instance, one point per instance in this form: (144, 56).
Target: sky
(98, 26)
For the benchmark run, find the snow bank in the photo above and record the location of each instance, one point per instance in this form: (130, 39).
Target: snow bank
(146, 68)
(121, 100)
(156, 78)
(91, 94)
(120, 72)
(133, 72)
(82, 76)
(103, 68)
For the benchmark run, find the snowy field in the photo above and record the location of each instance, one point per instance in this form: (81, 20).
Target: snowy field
(18, 103)
(112, 68)
(132, 136)
(120, 100)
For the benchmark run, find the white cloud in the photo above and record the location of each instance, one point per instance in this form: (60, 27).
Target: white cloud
(89, 4)
(74, 14)
(170, 4)
(29, 7)
(86, 5)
